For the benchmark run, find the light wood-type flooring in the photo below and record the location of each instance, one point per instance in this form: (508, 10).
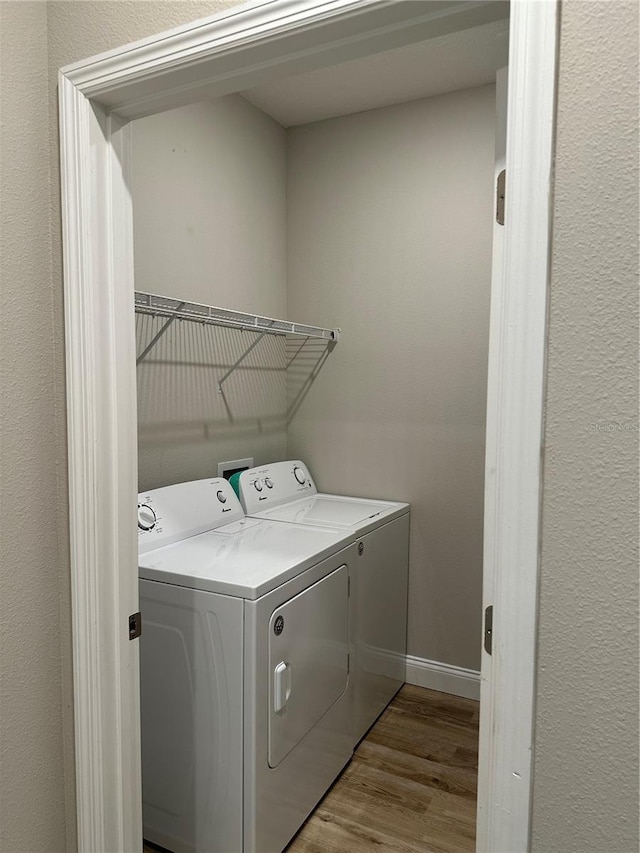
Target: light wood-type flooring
(411, 785)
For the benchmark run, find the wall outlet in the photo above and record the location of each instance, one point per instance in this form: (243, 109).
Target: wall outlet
(228, 469)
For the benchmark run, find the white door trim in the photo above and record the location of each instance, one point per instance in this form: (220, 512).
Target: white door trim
(222, 54)
(101, 424)
(515, 407)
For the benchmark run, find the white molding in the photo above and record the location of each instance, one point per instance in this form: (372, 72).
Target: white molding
(515, 408)
(101, 424)
(222, 54)
(253, 43)
(444, 677)
(82, 474)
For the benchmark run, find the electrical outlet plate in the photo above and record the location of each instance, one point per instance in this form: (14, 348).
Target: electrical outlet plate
(228, 469)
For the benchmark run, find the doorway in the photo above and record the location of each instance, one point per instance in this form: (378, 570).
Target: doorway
(98, 98)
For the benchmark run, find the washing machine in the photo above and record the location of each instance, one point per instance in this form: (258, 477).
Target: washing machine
(285, 492)
(244, 670)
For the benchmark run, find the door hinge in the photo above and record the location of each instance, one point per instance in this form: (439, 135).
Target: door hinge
(501, 187)
(348, 586)
(488, 630)
(135, 625)
(500, 195)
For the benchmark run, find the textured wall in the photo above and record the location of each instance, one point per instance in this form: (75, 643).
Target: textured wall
(390, 232)
(586, 758)
(209, 216)
(32, 781)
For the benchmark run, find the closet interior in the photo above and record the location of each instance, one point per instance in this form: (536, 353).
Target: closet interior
(313, 282)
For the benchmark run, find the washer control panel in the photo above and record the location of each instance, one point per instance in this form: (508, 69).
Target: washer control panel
(147, 518)
(177, 512)
(270, 485)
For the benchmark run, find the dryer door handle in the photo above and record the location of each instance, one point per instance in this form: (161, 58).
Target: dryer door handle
(281, 686)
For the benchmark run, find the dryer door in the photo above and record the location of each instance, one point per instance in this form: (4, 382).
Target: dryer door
(309, 660)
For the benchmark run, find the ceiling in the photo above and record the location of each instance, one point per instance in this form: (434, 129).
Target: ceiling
(459, 60)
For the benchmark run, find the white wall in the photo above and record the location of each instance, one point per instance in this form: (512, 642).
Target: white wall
(390, 229)
(209, 196)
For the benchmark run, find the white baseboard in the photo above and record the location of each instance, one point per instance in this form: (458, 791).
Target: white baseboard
(444, 677)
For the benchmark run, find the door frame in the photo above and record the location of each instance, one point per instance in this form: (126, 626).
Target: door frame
(215, 56)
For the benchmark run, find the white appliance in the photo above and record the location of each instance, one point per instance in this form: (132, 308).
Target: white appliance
(244, 670)
(285, 492)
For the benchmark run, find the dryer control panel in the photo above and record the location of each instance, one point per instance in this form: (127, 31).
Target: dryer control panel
(270, 485)
(177, 512)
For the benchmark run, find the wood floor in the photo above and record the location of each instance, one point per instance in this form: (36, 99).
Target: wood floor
(410, 787)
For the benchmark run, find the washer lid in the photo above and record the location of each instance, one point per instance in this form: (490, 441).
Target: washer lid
(246, 559)
(334, 511)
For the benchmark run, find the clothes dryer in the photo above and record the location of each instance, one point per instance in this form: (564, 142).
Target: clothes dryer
(286, 492)
(244, 670)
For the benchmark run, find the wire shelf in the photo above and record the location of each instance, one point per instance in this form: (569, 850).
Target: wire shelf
(176, 309)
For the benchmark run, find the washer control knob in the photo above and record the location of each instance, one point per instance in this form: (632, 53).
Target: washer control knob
(221, 496)
(258, 485)
(146, 517)
(298, 473)
(268, 483)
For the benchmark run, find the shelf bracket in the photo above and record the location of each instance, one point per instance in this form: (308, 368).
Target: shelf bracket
(161, 332)
(295, 405)
(240, 360)
(296, 354)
